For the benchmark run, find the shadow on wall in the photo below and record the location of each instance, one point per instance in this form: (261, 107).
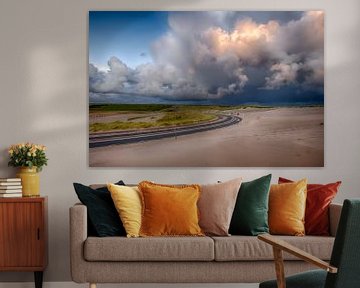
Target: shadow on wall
(4, 159)
(47, 80)
(46, 57)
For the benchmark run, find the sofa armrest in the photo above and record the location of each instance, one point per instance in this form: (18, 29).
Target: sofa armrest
(78, 235)
(334, 216)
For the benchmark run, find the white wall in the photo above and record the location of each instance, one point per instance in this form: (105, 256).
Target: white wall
(43, 90)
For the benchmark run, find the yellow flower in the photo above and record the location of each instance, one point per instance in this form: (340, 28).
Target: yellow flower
(29, 154)
(11, 151)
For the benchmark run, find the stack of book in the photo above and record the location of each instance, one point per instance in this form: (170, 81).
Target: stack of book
(10, 187)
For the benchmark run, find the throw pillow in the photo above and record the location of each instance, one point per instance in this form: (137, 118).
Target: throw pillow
(250, 215)
(319, 197)
(216, 206)
(169, 210)
(127, 201)
(102, 215)
(287, 204)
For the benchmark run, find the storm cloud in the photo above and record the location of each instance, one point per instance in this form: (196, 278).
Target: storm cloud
(217, 54)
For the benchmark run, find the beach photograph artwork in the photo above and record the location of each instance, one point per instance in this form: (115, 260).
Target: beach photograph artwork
(206, 88)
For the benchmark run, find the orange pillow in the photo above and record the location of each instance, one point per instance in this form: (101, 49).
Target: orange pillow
(318, 200)
(169, 210)
(287, 204)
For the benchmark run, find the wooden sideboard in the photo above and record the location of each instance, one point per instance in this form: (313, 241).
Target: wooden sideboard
(23, 235)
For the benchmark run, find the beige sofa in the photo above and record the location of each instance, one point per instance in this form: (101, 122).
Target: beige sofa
(234, 259)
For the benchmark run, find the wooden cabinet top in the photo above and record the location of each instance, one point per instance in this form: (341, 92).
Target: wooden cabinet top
(24, 199)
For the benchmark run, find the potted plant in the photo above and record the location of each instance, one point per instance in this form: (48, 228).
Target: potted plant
(30, 158)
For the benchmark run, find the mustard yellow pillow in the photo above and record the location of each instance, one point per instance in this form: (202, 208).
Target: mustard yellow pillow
(169, 210)
(127, 201)
(287, 204)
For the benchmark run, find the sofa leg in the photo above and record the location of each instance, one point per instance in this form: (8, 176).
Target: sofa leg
(92, 285)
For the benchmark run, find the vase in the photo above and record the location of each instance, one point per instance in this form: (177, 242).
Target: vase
(30, 181)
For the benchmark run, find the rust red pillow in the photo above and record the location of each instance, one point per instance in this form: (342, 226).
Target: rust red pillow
(319, 197)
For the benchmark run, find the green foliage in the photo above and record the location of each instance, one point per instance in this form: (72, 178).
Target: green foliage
(27, 155)
(170, 118)
(184, 118)
(119, 125)
(171, 115)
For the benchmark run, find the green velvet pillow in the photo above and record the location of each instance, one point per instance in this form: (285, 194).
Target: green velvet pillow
(250, 216)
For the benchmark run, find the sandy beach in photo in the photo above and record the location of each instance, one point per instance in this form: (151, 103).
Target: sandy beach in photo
(267, 137)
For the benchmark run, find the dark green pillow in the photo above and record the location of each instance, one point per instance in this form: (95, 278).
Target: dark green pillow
(250, 216)
(102, 215)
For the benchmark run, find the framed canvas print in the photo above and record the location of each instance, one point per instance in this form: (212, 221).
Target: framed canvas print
(206, 88)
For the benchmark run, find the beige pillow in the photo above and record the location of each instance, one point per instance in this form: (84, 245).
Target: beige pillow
(216, 205)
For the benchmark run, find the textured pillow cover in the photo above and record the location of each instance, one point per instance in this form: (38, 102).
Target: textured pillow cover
(216, 206)
(287, 204)
(102, 215)
(250, 215)
(169, 210)
(127, 201)
(319, 197)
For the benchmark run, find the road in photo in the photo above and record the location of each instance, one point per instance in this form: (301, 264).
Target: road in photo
(112, 138)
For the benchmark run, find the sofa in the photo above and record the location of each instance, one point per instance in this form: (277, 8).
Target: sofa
(233, 259)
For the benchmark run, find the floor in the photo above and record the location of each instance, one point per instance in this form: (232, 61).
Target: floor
(74, 285)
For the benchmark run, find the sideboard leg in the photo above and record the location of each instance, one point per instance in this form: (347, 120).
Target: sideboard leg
(92, 285)
(38, 279)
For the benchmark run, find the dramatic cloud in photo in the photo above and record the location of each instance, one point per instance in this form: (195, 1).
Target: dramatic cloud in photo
(215, 55)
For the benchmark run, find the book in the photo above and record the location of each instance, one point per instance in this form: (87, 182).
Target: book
(3, 191)
(10, 180)
(10, 187)
(2, 195)
(10, 183)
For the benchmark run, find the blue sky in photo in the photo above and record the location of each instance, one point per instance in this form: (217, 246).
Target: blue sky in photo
(127, 35)
(209, 57)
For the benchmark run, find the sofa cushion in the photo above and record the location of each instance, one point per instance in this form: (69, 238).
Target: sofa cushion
(169, 210)
(149, 249)
(216, 206)
(127, 201)
(244, 248)
(287, 204)
(250, 216)
(102, 216)
(318, 200)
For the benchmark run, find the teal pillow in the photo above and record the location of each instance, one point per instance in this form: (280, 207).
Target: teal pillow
(250, 216)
